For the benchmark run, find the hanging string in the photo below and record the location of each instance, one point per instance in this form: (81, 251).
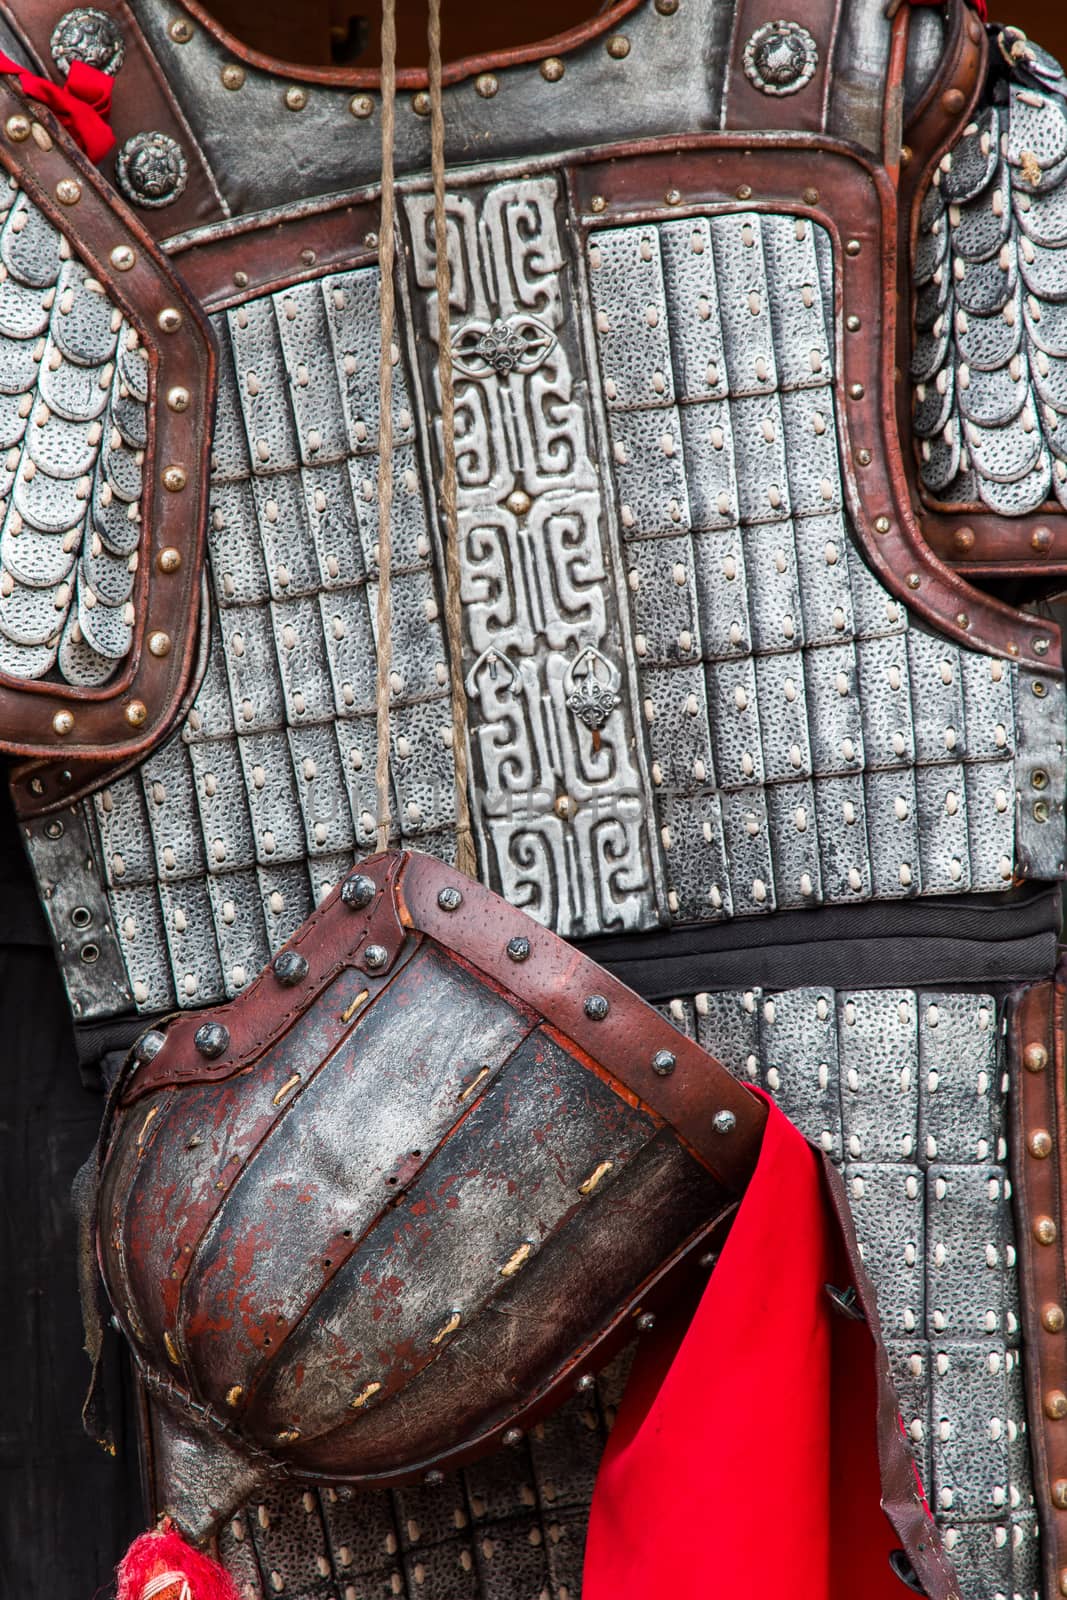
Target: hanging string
(386, 258)
(465, 856)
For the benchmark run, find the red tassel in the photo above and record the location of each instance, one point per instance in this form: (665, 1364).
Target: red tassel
(161, 1566)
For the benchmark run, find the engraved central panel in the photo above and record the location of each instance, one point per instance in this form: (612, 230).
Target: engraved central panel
(560, 805)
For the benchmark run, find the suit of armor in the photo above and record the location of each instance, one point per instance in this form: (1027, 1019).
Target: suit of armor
(757, 331)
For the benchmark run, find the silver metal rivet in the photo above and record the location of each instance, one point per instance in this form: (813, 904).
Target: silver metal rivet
(53, 829)
(646, 1322)
(375, 955)
(664, 1062)
(122, 257)
(290, 968)
(518, 949)
(513, 1436)
(358, 891)
(450, 899)
(212, 1039)
(724, 1122)
(486, 84)
(149, 1045)
(81, 916)
(178, 398)
(296, 98)
(596, 1008)
(361, 105)
(585, 1383)
(169, 319)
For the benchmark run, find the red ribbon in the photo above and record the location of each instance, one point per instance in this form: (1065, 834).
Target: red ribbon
(82, 104)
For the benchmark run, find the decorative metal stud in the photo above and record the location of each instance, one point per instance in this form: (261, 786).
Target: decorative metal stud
(53, 829)
(240, 279)
(149, 1045)
(518, 502)
(518, 949)
(513, 1436)
(913, 580)
(358, 891)
(151, 169)
(664, 1062)
(212, 1040)
(863, 457)
(1035, 1057)
(598, 204)
(450, 899)
(585, 1383)
(810, 197)
(1056, 1405)
(1052, 1318)
(169, 559)
(180, 30)
(552, 69)
(17, 128)
(780, 58)
(296, 98)
(63, 723)
(853, 247)
(175, 479)
(596, 1008)
(136, 713)
(159, 644)
(421, 104)
(618, 47)
(724, 1122)
(856, 391)
(853, 324)
(123, 258)
(375, 956)
(673, 197)
(290, 968)
(178, 398)
(232, 75)
(1044, 1230)
(486, 84)
(169, 319)
(68, 191)
(1059, 1494)
(90, 36)
(744, 191)
(645, 1322)
(1039, 1144)
(1041, 540)
(882, 524)
(361, 105)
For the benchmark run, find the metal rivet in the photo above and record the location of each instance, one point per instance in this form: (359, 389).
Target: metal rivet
(63, 722)
(1059, 1494)
(159, 644)
(664, 1062)
(17, 128)
(744, 191)
(913, 580)
(240, 280)
(906, 154)
(81, 917)
(1039, 778)
(1041, 539)
(375, 955)
(645, 1322)
(1040, 647)
(552, 69)
(856, 391)
(149, 1045)
(1039, 1143)
(513, 1436)
(290, 967)
(169, 559)
(618, 47)
(810, 197)
(180, 30)
(1056, 1405)
(53, 829)
(853, 324)
(136, 713)
(486, 84)
(123, 258)
(212, 1040)
(371, 240)
(232, 75)
(89, 953)
(450, 899)
(953, 101)
(1052, 1318)
(673, 197)
(962, 619)
(853, 247)
(420, 103)
(1063, 1581)
(596, 1008)
(598, 203)
(36, 786)
(361, 105)
(358, 891)
(175, 479)
(434, 1476)
(518, 502)
(1044, 1231)
(1012, 648)
(68, 191)
(1039, 688)
(518, 949)
(1041, 811)
(863, 457)
(882, 524)
(308, 257)
(178, 398)
(724, 1122)
(169, 319)
(296, 98)
(1035, 1058)
(565, 808)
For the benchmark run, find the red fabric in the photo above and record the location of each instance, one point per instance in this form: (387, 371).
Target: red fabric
(744, 1460)
(82, 104)
(164, 1554)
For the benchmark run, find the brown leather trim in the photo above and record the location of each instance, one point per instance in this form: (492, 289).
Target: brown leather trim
(141, 101)
(828, 182)
(97, 224)
(1036, 1058)
(746, 106)
(414, 77)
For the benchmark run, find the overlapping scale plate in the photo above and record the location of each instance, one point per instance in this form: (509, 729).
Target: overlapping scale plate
(73, 427)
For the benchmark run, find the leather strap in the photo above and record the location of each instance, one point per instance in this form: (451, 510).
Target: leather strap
(804, 109)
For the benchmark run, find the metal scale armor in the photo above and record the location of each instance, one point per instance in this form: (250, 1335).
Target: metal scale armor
(741, 722)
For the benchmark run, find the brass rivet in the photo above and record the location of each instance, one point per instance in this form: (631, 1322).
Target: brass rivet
(296, 98)
(963, 539)
(1059, 1494)
(420, 103)
(233, 1395)
(853, 247)
(361, 105)
(123, 257)
(1063, 1581)
(1035, 1057)
(565, 808)
(913, 580)
(1040, 688)
(63, 722)
(744, 191)
(856, 391)
(1041, 539)
(518, 502)
(180, 30)
(906, 154)
(552, 69)
(666, 8)
(673, 197)
(811, 197)
(371, 240)
(169, 319)
(68, 191)
(1012, 648)
(962, 619)
(1041, 811)
(882, 524)
(1044, 1231)
(169, 560)
(17, 128)
(853, 324)
(308, 257)
(1052, 1318)
(1039, 1144)
(618, 47)
(598, 203)
(863, 457)
(178, 398)
(486, 84)
(159, 644)
(1056, 1405)
(232, 75)
(953, 100)
(175, 479)
(1039, 778)
(136, 713)
(240, 279)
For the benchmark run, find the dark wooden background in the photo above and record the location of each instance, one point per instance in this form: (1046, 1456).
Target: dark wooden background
(66, 1509)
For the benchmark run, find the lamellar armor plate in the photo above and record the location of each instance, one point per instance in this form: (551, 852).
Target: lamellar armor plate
(728, 695)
